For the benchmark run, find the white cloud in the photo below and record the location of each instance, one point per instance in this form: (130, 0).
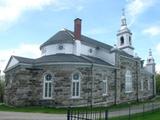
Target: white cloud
(136, 7)
(158, 56)
(11, 10)
(158, 68)
(152, 31)
(97, 31)
(25, 50)
(158, 48)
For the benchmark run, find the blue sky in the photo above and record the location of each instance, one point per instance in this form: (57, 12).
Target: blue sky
(26, 24)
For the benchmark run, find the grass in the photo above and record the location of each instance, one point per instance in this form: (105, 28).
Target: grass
(140, 116)
(34, 109)
(39, 109)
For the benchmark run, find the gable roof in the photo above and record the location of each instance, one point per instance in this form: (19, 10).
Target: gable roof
(67, 36)
(24, 60)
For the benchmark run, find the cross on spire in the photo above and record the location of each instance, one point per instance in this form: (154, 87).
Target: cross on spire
(150, 52)
(123, 12)
(123, 18)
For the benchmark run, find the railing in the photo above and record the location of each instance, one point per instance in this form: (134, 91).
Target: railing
(130, 112)
(87, 114)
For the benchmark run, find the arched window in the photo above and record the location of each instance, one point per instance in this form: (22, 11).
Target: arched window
(130, 43)
(105, 86)
(47, 86)
(76, 78)
(122, 40)
(142, 85)
(128, 82)
(149, 85)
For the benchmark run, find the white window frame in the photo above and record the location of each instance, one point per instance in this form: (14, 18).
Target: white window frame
(76, 86)
(105, 86)
(49, 93)
(128, 82)
(142, 85)
(149, 84)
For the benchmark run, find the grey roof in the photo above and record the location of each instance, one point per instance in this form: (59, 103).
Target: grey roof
(24, 60)
(59, 37)
(121, 52)
(68, 36)
(63, 58)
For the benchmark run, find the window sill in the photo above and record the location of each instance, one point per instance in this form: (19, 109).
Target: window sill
(47, 98)
(104, 95)
(128, 92)
(75, 98)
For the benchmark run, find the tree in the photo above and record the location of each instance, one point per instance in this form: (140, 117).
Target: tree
(2, 83)
(157, 83)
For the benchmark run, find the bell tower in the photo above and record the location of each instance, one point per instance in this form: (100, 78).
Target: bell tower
(124, 36)
(150, 66)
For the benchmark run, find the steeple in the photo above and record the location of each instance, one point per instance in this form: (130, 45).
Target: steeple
(150, 66)
(124, 36)
(150, 59)
(123, 19)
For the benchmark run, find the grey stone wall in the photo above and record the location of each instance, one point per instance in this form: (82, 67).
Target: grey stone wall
(24, 87)
(132, 64)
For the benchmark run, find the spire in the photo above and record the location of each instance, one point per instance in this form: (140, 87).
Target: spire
(150, 59)
(150, 52)
(123, 18)
(150, 66)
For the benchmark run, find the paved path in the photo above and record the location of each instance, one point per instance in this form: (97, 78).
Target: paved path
(30, 116)
(43, 116)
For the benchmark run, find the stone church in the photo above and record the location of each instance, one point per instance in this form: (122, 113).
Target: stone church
(76, 70)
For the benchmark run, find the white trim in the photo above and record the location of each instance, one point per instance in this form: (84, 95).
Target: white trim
(48, 82)
(128, 82)
(105, 82)
(148, 84)
(142, 85)
(76, 82)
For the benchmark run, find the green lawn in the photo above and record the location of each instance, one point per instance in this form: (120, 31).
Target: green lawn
(35, 109)
(39, 109)
(146, 116)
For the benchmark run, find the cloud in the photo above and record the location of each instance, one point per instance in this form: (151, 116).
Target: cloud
(97, 31)
(135, 8)
(152, 31)
(158, 56)
(11, 10)
(158, 68)
(24, 50)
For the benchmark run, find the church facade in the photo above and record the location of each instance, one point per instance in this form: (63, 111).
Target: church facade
(75, 70)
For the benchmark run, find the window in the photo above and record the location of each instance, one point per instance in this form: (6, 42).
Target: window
(47, 87)
(130, 43)
(142, 87)
(128, 82)
(105, 86)
(90, 50)
(122, 40)
(60, 46)
(76, 85)
(149, 85)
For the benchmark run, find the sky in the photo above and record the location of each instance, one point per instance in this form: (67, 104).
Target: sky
(26, 24)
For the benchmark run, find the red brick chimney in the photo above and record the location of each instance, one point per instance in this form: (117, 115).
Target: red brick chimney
(77, 29)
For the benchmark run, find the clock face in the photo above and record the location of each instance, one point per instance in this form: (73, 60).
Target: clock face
(48, 77)
(76, 76)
